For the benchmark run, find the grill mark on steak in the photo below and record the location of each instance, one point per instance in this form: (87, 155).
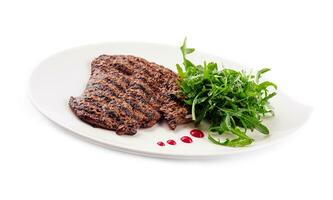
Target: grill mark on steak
(152, 116)
(114, 118)
(127, 92)
(141, 107)
(94, 104)
(90, 114)
(105, 100)
(122, 68)
(109, 95)
(116, 83)
(130, 91)
(140, 87)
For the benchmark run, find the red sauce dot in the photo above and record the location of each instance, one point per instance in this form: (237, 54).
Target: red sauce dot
(171, 142)
(186, 139)
(197, 133)
(160, 144)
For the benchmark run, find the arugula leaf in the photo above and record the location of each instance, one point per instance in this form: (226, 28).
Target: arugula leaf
(239, 142)
(260, 72)
(231, 101)
(180, 71)
(186, 50)
(265, 85)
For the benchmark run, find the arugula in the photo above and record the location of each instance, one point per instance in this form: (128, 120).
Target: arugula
(231, 101)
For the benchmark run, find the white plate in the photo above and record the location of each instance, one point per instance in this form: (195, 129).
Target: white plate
(65, 74)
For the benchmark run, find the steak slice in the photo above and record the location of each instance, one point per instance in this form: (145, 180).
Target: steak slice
(125, 93)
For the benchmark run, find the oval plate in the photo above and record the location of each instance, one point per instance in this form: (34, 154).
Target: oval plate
(66, 74)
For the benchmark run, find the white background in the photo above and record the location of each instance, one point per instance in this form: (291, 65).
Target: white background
(39, 160)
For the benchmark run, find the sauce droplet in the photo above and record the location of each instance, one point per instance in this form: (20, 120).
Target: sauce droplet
(186, 139)
(197, 133)
(171, 142)
(160, 144)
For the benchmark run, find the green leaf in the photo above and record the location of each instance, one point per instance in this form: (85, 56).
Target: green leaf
(266, 84)
(194, 103)
(256, 124)
(189, 50)
(186, 50)
(180, 71)
(239, 133)
(227, 122)
(260, 73)
(231, 101)
(238, 142)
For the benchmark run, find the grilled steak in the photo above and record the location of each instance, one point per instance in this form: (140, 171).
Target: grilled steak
(125, 93)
